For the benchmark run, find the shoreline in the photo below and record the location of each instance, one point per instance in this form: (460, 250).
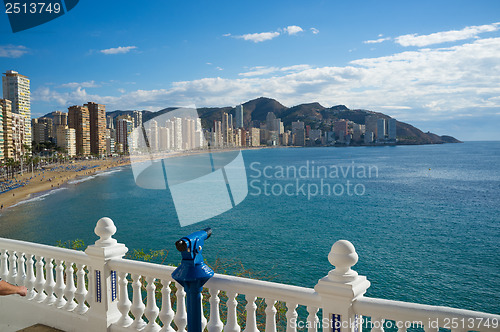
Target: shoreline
(58, 175)
(55, 177)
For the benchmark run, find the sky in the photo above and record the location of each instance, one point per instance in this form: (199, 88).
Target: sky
(434, 64)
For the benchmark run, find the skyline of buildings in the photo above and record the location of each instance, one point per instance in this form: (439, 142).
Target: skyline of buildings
(87, 130)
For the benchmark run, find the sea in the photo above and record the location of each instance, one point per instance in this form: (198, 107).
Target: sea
(425, 220)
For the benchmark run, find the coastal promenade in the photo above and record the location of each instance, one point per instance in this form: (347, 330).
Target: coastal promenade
(98, 290)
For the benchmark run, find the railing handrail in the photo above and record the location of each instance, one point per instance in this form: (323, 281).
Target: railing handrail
(259, 288)
(43, 250)
(408, 311)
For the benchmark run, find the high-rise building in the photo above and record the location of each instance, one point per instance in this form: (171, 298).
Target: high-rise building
(123, 128)
(18, 135)
(16, 88)
(66, 139)
(79, 119)
(299, 133)
(97, 114)
(239, 116)
(357, 131)
(7, 148)
(137, 118)
(42, 130)
(392, 129)
(270, 122)
(60, 118)
(340, 128)
(254, 136)
(381, 129)
(1, 134)
(371, 124)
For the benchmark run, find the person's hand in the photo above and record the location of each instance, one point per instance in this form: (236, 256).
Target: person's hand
(22, 291)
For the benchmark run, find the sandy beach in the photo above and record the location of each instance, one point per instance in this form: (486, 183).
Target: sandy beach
(52, 177)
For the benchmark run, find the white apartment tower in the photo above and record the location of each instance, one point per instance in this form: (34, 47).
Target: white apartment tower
(16, 88)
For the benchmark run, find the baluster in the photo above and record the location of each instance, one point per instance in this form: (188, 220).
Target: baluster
(49, 283)
(90, 286)
(152, 310)
(124, 302)
(12, 267)
(4, 271)
(203, 318)
(251, 307)
(81, 291)
(270, 315)
(166, 313)
(69, 292)
(21, 273)
(40, 279)
(59, 289)
(312, 319)
(137, 305)
(180, 318)
(215, 323)
(378, 324)
(30, 277)
(232, 319)
(291, 314)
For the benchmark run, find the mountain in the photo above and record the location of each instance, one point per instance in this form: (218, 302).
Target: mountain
(312, 114)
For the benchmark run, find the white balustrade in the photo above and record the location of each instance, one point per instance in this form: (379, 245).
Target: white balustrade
(137, 305)
(124, 301)
(251, 308)
(270, 315)
(49, 282)
(30, 277)
(60, 286)
(312, 319)
(12, 266)
(166, 313)
(70, 290)
(232, 318)
(180, 318)
(4, 268)
(49, 274)
(40, 279)
(215, 323)
(291, 316)
(21, 270)
(152, 310)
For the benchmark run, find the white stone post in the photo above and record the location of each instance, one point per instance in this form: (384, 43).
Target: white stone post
(340, 288)
(103, 310)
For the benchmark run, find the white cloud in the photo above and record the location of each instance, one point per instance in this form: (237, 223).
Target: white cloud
(445, 36)
(314, 30)
(118, 50)
(425, 84)
(219, 68)
(376, 41)
(264, 70)
(12, 51)
(259, 37)
(73, 85)
(293, 29)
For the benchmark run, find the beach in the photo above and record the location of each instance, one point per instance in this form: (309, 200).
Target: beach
(53, 176)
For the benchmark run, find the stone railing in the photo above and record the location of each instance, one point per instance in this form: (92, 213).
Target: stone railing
(98, 290)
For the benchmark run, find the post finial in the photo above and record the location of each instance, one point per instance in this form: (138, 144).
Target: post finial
(105, 229)
(343, 256)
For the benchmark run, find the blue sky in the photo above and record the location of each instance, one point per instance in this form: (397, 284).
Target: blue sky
(434, 64)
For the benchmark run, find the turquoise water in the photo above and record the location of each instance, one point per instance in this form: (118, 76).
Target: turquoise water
(426, 227)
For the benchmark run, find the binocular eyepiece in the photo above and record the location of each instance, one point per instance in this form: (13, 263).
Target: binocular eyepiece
(186, 242)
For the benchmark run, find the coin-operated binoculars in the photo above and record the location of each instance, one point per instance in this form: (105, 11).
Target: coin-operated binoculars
(192, 274)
